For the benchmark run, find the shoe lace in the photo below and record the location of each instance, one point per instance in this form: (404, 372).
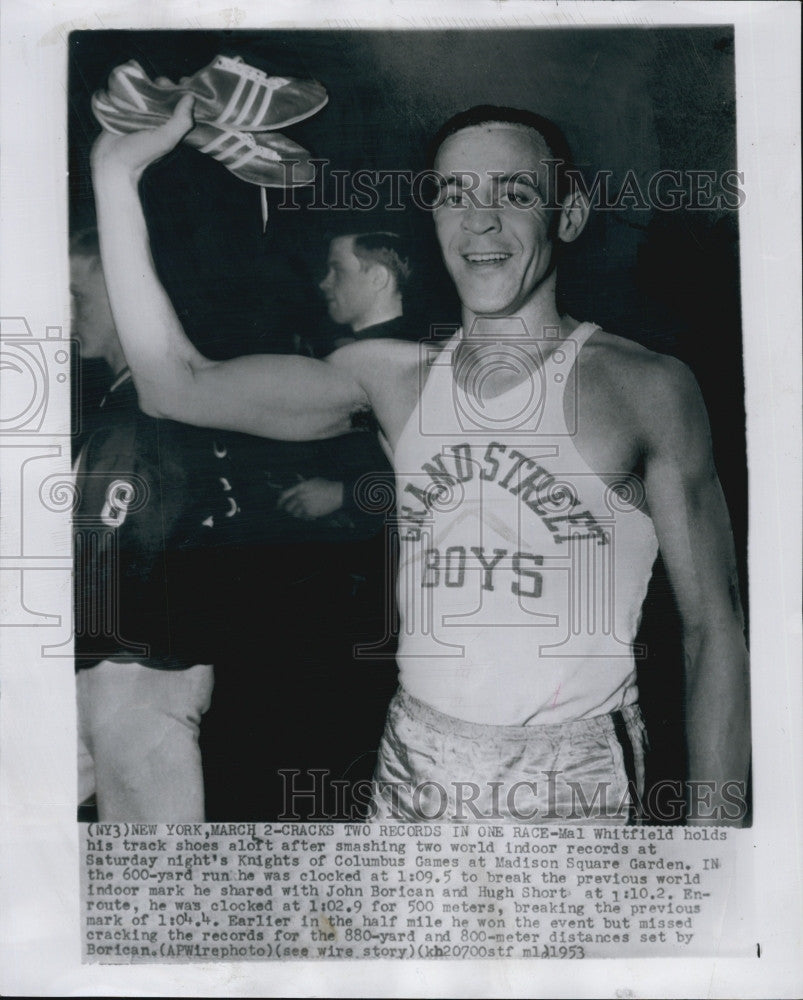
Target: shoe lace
(236, 65)
(263, 204)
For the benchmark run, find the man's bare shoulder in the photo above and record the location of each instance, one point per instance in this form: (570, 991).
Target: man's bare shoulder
(609, 353)
(659, 391)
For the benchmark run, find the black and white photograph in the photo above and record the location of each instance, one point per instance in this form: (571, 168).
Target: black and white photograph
(401, 534)
(241, 522)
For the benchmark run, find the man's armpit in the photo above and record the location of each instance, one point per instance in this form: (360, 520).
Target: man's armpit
(364, 419)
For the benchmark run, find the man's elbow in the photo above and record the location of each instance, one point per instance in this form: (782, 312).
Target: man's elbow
(153, 404)
(163, 408)
(172, 392)
(718, 639)
(705, 629)
(171, 400)
(151, 409)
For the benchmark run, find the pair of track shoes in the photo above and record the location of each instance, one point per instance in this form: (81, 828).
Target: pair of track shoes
(237, 110)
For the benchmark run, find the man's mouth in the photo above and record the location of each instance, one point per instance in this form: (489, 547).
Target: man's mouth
(494, 257)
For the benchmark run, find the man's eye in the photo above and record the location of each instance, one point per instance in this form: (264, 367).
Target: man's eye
(454, 199)
(522, 196)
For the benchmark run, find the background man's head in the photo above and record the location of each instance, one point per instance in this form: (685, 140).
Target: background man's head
(506, 199)
(365, 278)
(92, 322)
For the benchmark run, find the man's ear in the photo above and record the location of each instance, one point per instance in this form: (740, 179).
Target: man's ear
(574, 215)
(381, 276)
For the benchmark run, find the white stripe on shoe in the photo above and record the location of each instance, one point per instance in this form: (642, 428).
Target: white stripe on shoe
(247, 155)
(271, 86)
(263, 107)
(234, 150)
(118, 111)
(127, 85)
(235, 97)
(263, 152)
(275, 83)
(103, 112)
(249, 101)
(110, 128)
(103, 107)
(218, 141)
(116, 103)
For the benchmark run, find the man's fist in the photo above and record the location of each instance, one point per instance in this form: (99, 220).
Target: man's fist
(135, 151)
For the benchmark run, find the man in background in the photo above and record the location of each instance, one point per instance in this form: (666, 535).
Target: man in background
(367, 274)
(144, 584)
(366, 278)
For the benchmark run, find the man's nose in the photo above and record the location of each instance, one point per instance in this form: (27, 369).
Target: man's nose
(478, 219)
(324, 284)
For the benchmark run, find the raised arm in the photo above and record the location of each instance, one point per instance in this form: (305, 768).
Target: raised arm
(292, 398)
(693, 528)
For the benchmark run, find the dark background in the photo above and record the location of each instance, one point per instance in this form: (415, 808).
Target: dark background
(628, 99)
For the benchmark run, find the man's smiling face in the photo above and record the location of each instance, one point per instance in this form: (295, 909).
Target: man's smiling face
(492, 221)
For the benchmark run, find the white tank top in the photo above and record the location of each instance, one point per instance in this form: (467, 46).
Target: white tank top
(522, 574)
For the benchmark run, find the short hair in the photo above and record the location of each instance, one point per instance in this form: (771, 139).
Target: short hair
(85, 243)
(386, 248)
(486, 114)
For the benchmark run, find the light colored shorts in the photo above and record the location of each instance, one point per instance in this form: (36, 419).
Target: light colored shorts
(435, 767)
